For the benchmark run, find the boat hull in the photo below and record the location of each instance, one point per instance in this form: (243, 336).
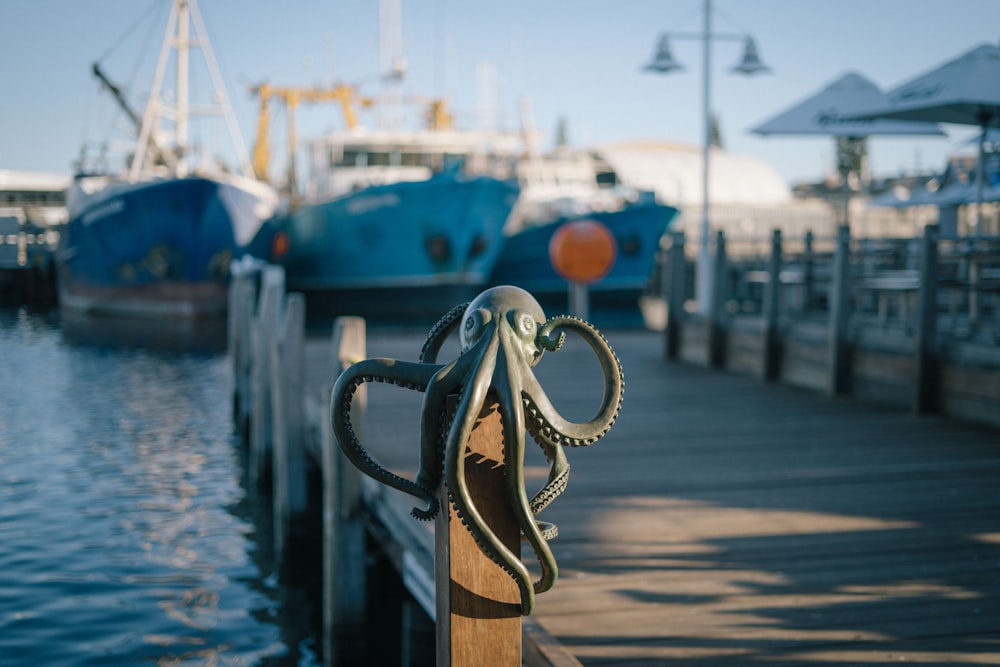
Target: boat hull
(156, 249)
(404, 251)
(637, 230)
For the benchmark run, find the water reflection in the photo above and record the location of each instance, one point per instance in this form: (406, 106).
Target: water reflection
(197, 336)
(126, 533)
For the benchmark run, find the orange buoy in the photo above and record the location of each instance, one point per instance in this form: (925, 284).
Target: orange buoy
(582, 251)
(279, 245)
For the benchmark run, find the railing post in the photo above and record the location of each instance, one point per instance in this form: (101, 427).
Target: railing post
(925, 363)
(345, 585)
(717, 309)
(974, 276)
(772, 297)
(478, 604)
(675, 294)
(839, 351)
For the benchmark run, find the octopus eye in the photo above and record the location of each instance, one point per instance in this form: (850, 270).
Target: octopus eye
(475, 323)
(526, 324)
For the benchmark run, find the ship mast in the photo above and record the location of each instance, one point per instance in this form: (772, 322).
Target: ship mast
(182, 44)
(184, 31)
(116, 92)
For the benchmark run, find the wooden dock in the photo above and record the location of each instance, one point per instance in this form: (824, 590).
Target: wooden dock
(724, 520)
(728, 521)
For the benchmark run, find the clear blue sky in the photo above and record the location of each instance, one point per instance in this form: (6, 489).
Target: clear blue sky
(578, 59)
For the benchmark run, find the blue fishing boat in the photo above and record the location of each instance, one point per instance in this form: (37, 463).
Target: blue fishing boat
(404, 250)
(157, 241)
(396, 223)
(637, 229)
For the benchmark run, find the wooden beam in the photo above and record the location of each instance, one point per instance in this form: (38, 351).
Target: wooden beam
(926, 380)
(772, 310)
(290, 485)
(478, 604)
(717, 310)
(839, 351)
(345, 578)
(265, 326)
(243, 301)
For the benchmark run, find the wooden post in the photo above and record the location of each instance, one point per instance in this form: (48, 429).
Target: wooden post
(675, 293)
(808, 272)
(233, 333)
(772, 300)
(839, 352)
(925, 367)
(974, 276)
(243, 298)
(290, 469)
(272, 291)
(478, 604)
(345, 585)
(239, 274)
(717, 309)
(579, 299)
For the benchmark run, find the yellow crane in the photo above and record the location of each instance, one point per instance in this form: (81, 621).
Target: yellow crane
(437, 117)
(291, 97)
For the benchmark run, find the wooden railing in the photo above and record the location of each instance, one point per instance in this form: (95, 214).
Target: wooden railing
(912, 321)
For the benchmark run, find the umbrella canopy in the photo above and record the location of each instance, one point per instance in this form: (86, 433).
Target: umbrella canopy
(963, 91)
(832, 112)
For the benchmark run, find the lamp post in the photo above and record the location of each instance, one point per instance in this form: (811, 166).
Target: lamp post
(664, 63)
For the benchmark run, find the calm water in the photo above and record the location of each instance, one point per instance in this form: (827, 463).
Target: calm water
(126, 535)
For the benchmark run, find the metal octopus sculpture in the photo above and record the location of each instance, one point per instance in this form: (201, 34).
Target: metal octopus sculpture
(503, 334)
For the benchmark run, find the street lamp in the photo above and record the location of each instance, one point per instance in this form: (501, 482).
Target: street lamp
(663, 63)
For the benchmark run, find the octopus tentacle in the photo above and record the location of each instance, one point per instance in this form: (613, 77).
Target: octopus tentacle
(555, 484)
(545, 422)
(558, 464)
(440, 332)
(405, 374)
(434, 417)
(508, 380)
(547, 340)
(470, 404)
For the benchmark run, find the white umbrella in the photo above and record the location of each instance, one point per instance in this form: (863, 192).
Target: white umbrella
(963, 91)
(832, 112)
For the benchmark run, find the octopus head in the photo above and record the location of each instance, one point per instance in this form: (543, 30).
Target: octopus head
(506, 307)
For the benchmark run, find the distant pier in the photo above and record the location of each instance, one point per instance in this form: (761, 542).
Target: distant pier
(27, 261)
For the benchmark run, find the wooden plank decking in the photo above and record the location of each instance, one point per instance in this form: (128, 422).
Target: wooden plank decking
(725, 521)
